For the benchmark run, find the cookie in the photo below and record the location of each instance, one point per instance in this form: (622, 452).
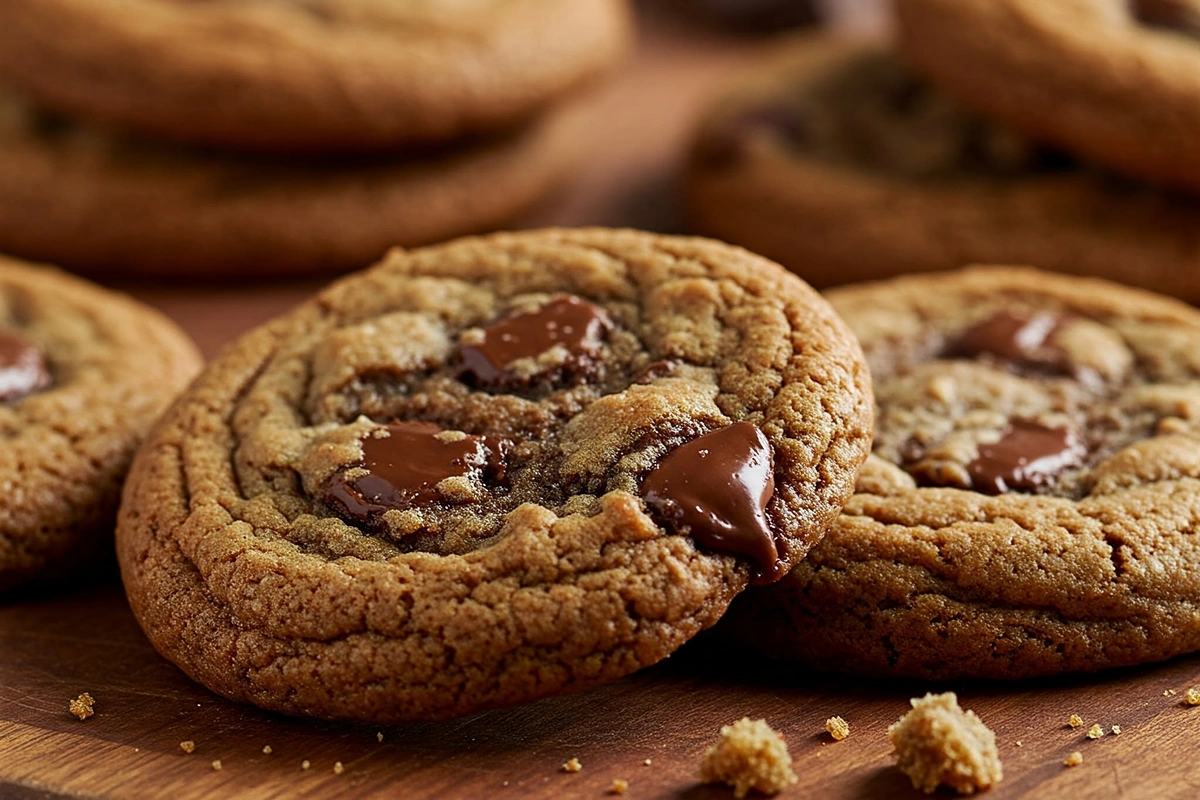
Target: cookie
(83, 374)
(1031, 503)
(491, 471)
(107, 204)
(307, 74)
(1117, 82)
(841, 163)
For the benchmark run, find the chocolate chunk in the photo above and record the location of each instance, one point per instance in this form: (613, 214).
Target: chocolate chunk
(1178, 15)
(726, 143)
(568, 322)
(655, 370)
(23, 368)
(1028, 457)
(404, 468)
(1014, 337)
(716, 489)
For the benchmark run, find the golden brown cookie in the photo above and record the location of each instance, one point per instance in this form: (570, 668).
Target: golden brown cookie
(83, 374)
(491, 471)
(103, 203)
(307, 74)
(1032, 503)
(1117, 81)
(841, 163)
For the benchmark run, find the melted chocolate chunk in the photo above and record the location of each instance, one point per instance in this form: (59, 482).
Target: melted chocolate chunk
(404, 468)
(726, 144)
(716, 489)
(1178, 15)
(655, 370)
(568, 322)
(1013, 337)
(1028, 457)
(23, 368)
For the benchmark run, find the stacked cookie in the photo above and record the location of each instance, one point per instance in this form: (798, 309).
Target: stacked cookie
(232, 138)
(1009, 131)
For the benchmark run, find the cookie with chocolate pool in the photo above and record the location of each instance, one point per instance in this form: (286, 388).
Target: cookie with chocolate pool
(83, 374)
(491, 471)
(1032, 504)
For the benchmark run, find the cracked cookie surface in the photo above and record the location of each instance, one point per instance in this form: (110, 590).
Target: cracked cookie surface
(83, 374)
(1033, 499)
(344, 75)
(844, 164)
(491, 471)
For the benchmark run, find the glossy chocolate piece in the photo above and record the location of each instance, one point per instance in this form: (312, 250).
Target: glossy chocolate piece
(568, 322)
(1013, 337)
(404, 468)
(1178, 15)
(655, 370)
(23, 368)
(716, 489)
(1028, 457)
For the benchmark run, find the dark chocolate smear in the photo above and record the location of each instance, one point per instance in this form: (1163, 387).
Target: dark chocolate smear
(716, 489)
(404, 468)
(23, 368)
(1028, 458)
(569, 322)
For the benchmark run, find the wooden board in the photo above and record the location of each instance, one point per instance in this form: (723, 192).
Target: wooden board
(54, 647)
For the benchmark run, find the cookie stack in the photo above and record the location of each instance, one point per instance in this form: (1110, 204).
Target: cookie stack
(271, 138)
(1006, 131)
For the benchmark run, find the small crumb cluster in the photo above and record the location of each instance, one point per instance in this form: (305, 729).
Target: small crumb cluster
(837, 727)
(1074, 760)
(1095, 732)
(1192, 697)
(937, 743)
(83, 706)
(574, 765)
(749, 755)
(188, 747)
(619, 786)
(1075, 721)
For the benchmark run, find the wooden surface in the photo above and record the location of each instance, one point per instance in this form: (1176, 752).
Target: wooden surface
(55, 646)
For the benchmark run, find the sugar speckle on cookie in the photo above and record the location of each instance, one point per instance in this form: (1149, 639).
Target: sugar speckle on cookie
(83, 706)
(939, 744)
(750, 755)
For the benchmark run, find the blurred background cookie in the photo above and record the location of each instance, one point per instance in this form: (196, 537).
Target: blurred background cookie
(314, 75)
(84, 372)
(844, 164)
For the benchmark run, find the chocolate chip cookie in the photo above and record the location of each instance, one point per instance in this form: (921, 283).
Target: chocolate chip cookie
(109, 204)
(1117, 81)
(307, 74)
(843, 164)
(491, 471)
(1032, 503)
(83, 374)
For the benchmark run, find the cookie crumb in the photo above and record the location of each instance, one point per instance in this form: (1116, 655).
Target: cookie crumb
(572, 766)
(1018, 743)
(83, 706)
(1192, 697)
(266, 749)
(1169, 692)
(188, 747)
(216, 765)
(304, 764)
(1116, 730)
(379, 736)
(1075, 721)
(619, 786)
(937, 743)
(749, 755)
(647, 762)
(1074, 760)
(338, 769)
(838, 728)
(1095, 732)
